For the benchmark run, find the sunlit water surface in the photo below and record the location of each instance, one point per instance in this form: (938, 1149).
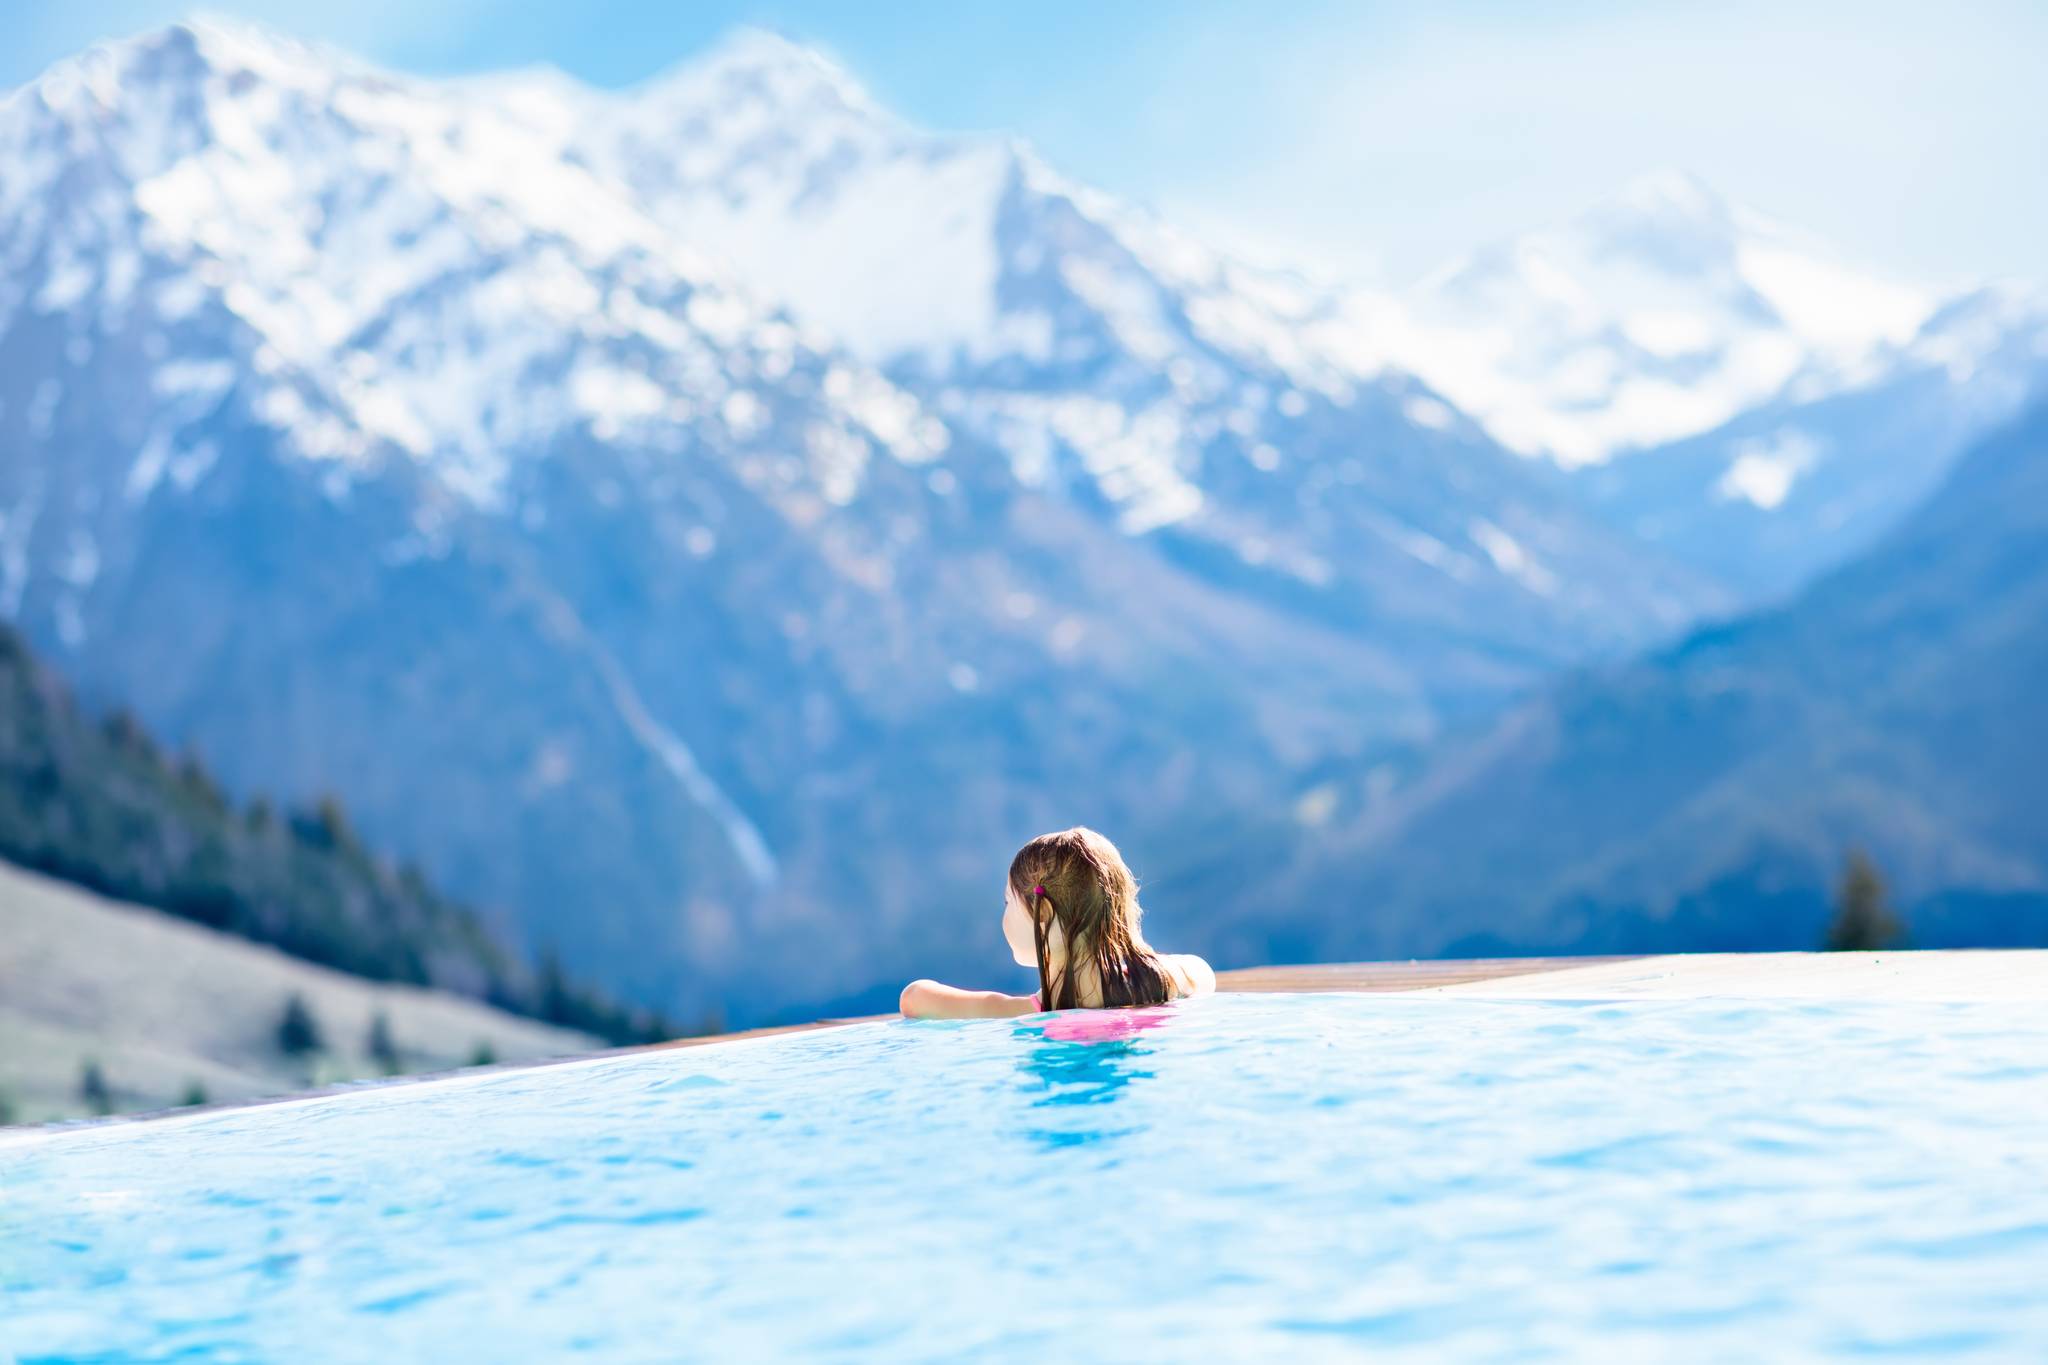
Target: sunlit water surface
(1249, 1175)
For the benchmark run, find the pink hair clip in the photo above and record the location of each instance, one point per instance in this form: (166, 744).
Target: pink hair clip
(1038, 890)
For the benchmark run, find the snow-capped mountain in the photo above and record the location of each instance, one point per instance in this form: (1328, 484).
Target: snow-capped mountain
(1717, 383)
(1662, 312)
(1106, 354)
(420, 441)
(1098, 346)
(1799, 483)
(412, 253)
(262, 294)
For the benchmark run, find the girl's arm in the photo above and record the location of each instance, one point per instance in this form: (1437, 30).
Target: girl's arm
(933, 1000)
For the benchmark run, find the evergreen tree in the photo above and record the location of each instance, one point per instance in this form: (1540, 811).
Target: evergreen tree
(557, 1005)
(261, 816)
(383, 1049)
(1863, 921)
(484, 1055)
(195, 1094)
(93, 1088)
(331, 819)
(127, 734)
(413, 882)
(6, 1109)
(199, 782)
(298, 1032)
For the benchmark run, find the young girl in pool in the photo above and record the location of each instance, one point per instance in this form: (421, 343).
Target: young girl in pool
(1070, 909)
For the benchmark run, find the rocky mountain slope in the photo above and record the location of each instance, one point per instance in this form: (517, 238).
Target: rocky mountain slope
(1704, 796)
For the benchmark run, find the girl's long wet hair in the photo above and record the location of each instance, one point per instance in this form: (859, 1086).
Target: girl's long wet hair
(1078, 880)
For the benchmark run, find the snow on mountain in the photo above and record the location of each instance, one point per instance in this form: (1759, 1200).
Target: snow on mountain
(901, 241)
(773, 159)
(1044, 315)
(1799, 483)
(1100, 348)
(1662, 312)
(412, 253)
(1107, 355)
(1991, 342)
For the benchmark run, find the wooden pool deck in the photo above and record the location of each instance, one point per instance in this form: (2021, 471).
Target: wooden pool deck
(1412, 975)
(1960, 975)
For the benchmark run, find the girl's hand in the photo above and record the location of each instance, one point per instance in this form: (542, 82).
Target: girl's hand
(935, 1000)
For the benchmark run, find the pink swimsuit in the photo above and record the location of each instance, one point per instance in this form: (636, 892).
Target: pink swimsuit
(1102, 1025)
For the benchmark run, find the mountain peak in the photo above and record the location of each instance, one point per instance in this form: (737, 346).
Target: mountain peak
(182, 56)
(756, 65)
(761, 45)
(1658, 313)
(228, 40)
(225, 45)
(1669, 191)
(1668, 221)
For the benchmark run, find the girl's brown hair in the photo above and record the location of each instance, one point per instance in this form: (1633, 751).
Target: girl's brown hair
(1077, 879)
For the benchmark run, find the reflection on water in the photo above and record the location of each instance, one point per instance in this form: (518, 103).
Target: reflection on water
(1079, 1061)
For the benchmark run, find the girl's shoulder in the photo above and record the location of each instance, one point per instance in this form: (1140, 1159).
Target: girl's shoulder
(1190, 974)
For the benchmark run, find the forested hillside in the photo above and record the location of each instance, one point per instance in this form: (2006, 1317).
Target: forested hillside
(97, 802)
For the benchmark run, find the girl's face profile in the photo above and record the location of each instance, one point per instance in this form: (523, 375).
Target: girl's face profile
(1017, 928)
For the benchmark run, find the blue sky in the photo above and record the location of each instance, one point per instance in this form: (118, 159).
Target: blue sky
(1370, 140)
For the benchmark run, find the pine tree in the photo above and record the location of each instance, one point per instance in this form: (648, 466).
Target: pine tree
(383, 1049)
(331, 819)
(127, 734)
(195, 1094)
(93, 1089)
(484, 1055)
(192, 774)
(261, 815)
(298, 1032)
(556, 1005)
(1863, 921)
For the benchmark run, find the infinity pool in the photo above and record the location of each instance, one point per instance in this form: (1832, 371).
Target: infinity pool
(1241, 1176)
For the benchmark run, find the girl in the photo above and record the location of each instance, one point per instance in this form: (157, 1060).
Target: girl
(1070, 909)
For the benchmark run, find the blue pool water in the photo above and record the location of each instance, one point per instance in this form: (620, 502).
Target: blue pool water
(1256, 1175)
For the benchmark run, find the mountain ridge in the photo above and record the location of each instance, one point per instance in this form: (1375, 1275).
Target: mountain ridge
(1712, 786)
